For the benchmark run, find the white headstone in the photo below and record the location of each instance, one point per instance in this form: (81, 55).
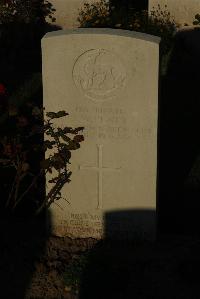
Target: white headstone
(183, 11)
(107, 80)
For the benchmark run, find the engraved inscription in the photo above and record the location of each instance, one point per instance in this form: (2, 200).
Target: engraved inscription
(99, 115)
(100, 170)
(107, 132)
(85, 224)
(99, 74)
(90, 224)
(111, 123)
(103, 122)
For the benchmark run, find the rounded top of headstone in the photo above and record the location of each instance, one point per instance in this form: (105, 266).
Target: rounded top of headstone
(105, 31)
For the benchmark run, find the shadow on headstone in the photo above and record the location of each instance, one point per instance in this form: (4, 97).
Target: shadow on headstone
(130, 224)
(109, 269)
(179, 188)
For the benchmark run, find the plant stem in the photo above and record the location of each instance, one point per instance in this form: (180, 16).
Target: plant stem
(27, 190)
(12, 188)
(54, 191)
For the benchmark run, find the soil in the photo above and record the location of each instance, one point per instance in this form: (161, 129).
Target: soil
(41, 266)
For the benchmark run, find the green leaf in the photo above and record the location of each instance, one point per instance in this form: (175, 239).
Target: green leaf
(66, 153)
(49, 144)
(197, 16)
(45, 164)
(57, 161)
(54, 180)
(58, 114)
(61, 113)
(67, 130)
(65, 138)
(73, 145)
(51, 115)
(78, 138)
(80, 128)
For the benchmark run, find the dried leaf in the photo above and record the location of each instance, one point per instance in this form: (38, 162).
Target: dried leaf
(78, 138)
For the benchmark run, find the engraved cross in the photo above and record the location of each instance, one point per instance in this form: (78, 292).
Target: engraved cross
(100, 170)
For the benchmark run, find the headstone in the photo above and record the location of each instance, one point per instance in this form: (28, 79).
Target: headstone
(67, 11)
(183, 11)
(107, 80)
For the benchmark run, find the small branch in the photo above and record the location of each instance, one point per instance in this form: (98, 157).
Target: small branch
(54, 191)
(13, 187)
(27, 190)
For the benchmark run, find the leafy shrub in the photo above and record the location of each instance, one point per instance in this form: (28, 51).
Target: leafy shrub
(23, 11)
(95, 15)
(22, 153)
(197, 20)
(158, 22)
(22, 25)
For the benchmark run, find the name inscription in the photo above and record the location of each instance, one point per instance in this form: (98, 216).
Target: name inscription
(110, 123)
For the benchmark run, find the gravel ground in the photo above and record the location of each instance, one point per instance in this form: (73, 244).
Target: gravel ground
(54, 268)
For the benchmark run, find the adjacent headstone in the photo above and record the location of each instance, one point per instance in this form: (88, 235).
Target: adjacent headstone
(67, 11)
(107, 80)
(183, 11)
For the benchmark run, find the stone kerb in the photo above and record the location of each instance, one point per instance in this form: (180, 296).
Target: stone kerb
(107, 80)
